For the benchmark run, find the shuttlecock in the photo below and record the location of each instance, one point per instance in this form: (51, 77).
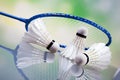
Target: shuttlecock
(28, 55)
(37, 34)
(99, 56)
(79, 59)
(77, 45)
(89, 74)
(67, 56)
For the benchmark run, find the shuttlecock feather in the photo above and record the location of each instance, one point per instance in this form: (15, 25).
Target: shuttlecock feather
(68, 55)
(64, 66)
(99, 56)
(37, 34)
(28, 55)
(77, 45)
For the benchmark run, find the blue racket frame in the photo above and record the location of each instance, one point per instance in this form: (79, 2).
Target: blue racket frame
(43, 15)
(60, 15)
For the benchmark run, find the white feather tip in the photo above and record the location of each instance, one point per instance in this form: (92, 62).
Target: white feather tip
(99, 56)
(83, 31)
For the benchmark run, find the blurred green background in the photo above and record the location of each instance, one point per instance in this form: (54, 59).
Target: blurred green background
(103, 12)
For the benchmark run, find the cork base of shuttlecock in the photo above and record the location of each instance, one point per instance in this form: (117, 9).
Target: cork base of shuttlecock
(83, 31)
(76, 70)
(81, 59)
(54, 48)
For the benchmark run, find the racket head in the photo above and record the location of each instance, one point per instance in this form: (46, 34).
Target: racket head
(68, 16)
(61, 15)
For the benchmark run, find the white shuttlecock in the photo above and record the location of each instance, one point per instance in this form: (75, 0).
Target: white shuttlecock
(89, 74)
(28, 55)
(37, 34)
(68, 55)
(99, 56)
(77, 45)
